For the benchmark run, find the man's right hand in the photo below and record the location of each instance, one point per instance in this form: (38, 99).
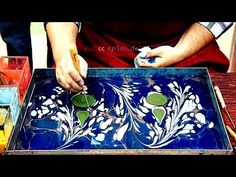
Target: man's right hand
(68, 76)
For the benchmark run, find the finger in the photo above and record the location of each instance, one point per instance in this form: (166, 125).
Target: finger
(68, 83)
(76, 77)
(84, 88)
(147, 65)
(143, 63)
(74, 84)
(62, 82)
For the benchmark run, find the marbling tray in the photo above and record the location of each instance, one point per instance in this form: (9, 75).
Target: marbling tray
(131, 111)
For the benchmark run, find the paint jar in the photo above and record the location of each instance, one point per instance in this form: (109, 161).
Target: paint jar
(6, 127)
(142, 57)
(15, 72)
(9, 99)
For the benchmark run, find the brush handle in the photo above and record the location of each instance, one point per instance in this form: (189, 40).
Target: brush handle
(231, 132)
(220, 97)
(75, 59)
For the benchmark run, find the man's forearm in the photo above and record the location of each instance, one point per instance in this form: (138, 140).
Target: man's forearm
(193, 40)
(62, 36)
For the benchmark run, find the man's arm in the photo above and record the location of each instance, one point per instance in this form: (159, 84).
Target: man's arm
(192, 41)
(199, 35)
(62, 36)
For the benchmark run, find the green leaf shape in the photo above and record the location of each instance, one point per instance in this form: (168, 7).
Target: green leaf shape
(159, 114)
(82, 116)
(156, 99)
(80, 100)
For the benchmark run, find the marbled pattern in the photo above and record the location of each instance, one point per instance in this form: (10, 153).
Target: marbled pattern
(149, 112)
(133, 109)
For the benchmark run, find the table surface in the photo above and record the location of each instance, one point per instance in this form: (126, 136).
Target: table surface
(227, 84)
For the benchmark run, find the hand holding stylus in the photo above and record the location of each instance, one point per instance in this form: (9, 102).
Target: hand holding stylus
(71, 70)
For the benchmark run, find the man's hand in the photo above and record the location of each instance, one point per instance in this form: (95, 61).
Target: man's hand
(166, 56)
(62, 37)
(68, 76)
(193, 40)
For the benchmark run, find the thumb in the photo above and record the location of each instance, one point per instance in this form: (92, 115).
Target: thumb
(156, 52)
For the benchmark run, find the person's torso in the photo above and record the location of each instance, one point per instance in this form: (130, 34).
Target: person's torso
(140, 32)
